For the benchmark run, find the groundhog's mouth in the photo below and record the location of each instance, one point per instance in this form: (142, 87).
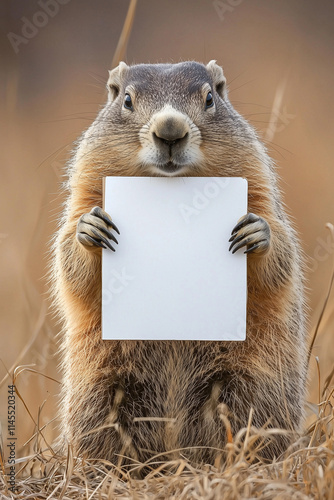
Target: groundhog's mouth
(169, 167)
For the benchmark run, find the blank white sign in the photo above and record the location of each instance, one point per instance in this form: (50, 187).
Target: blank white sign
(172, 276)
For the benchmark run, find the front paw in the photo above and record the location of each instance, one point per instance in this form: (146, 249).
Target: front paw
(252, 232)
(93, 230)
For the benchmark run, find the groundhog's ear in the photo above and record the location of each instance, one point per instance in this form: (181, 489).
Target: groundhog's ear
(115, 79)
(218, 78)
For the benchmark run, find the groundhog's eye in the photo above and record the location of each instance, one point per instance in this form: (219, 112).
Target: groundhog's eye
(128, 102)
(209, 101)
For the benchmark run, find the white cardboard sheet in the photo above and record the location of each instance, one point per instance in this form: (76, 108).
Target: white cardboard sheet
(172, 276)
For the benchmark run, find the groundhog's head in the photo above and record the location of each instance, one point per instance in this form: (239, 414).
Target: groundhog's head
(170, 119)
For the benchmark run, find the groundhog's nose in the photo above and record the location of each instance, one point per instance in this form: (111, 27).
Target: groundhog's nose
(170, 142)
(170, 130)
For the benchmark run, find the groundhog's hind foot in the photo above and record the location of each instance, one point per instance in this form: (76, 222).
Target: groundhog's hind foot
(93, 230)
(251, 231)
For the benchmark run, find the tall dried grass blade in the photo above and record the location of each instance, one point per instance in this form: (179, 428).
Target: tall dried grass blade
(29, 412)
(331, 229)
(274, 116)
(125, 35)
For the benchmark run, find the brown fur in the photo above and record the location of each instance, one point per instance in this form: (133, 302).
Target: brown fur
(177, 386)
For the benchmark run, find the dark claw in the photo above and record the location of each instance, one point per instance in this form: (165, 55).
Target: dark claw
(240, 245)
(95, 242)
(98, 213)
(235, 240)
(109, 234)
(102, 238)
(252, 248)
(249, 218)
(115, 228)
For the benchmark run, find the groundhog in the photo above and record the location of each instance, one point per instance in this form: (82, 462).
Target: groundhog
(135, 399)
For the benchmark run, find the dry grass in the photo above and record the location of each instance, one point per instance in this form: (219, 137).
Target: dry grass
(306, 470)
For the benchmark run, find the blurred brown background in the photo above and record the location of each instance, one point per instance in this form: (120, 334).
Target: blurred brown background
(278, 59)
